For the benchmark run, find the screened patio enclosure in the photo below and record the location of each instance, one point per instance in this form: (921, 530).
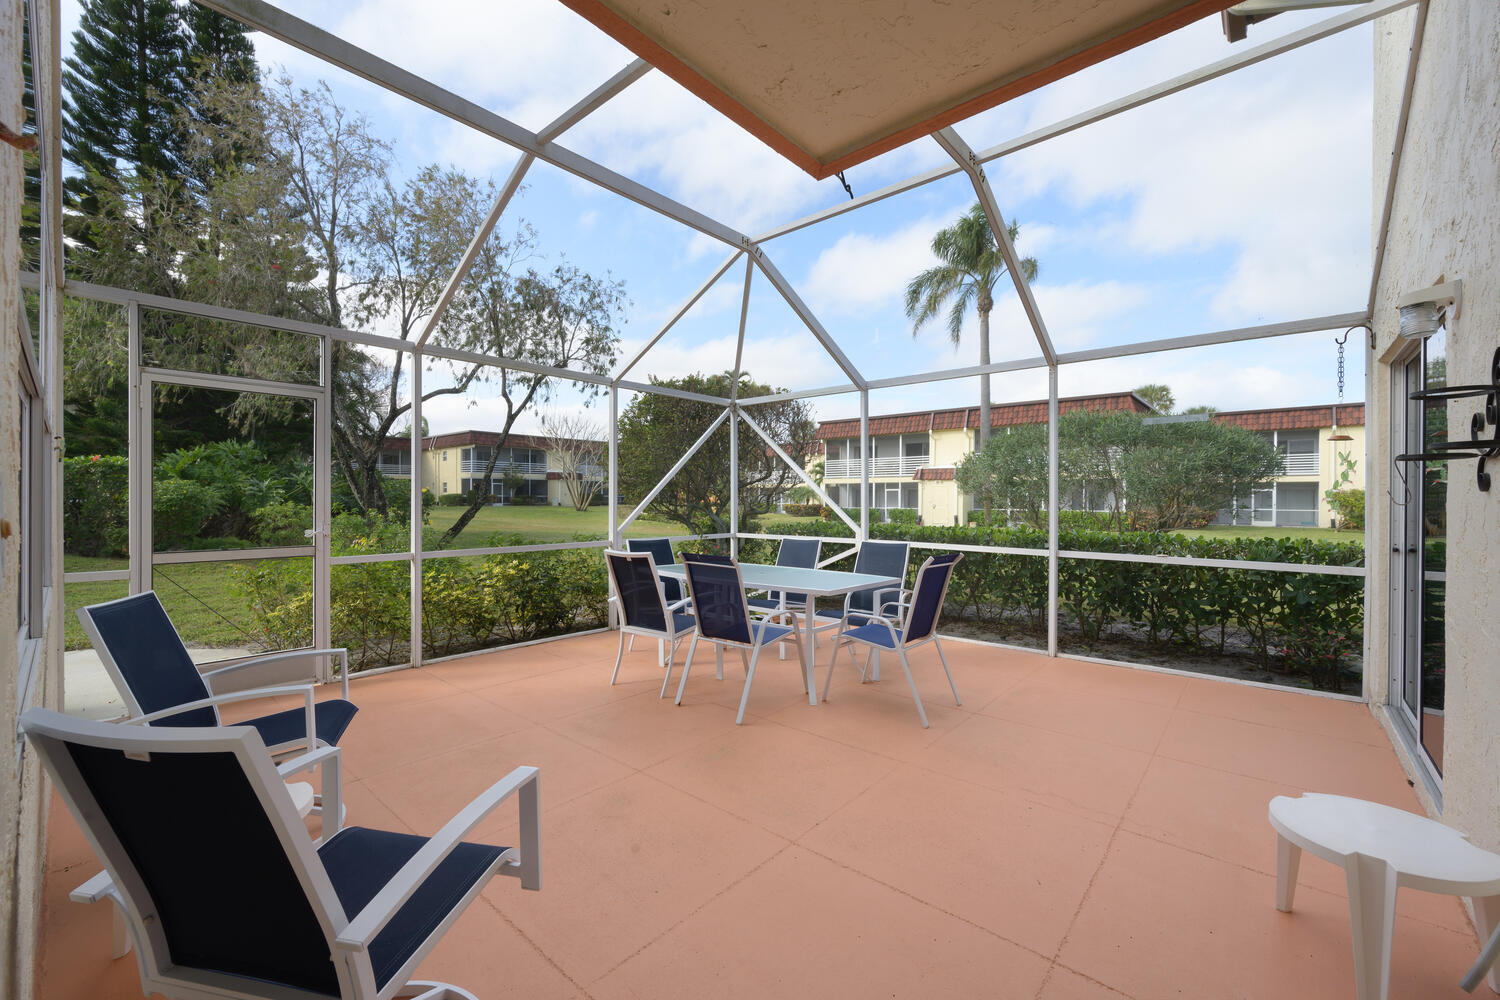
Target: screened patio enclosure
(748, 259)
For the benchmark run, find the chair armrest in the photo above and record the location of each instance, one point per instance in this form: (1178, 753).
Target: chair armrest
(288, 657)
(306, 690)
(362, 929)
(678, 605)
(889, 624)
(330, 763)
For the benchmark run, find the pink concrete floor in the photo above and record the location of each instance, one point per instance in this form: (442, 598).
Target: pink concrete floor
(1075, 831)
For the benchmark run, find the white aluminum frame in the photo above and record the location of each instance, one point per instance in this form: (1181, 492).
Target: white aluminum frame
(543, 146)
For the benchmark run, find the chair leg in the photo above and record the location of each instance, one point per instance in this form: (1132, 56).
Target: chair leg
(944, 661)
(619, 655)
(901, 653)
(1487, 917)
(661, 653)
(632, 644)
(688, 665)
(749, 679)
(828, 681)
(667, 676)
(719, 661)
(743, 662)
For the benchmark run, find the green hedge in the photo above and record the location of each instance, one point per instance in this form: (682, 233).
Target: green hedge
(1309, 625)
(467, 604)
(802, 509)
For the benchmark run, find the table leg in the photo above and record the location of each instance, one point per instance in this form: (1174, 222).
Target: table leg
(1288, 860)
(1487, 916)
(810, 641)
(1372, 917)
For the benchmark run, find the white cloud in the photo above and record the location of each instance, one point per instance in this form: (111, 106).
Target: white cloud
(1272, 165)
(863, 272)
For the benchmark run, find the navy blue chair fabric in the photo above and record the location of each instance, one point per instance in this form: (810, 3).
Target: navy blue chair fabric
(799, 552)
(151, 657)
(636, 586)
(220, 882)
(876, 559)
(719, 601)
(707, 557)
(927, 602)
(360, 862)
(660, 549)
(223, 888)
(155, 665)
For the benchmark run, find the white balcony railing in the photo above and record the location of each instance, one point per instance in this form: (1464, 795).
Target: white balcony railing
(476, 467)
(848, 468)
(1300, 465)
(394, 468)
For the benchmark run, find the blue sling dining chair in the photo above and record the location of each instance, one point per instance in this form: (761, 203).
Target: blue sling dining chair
(890, 634)
(660, 550)
(645, 610)
(877, 559)
(146, 659)
(222, 892)
(723, 619)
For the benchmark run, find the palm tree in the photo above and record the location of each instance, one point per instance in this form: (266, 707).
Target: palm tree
(971, 266)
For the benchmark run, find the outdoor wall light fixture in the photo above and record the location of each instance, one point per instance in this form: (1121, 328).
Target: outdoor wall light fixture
(1424, 313)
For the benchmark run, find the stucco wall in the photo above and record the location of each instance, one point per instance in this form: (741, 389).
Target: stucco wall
(1446, 225)
(22, 789)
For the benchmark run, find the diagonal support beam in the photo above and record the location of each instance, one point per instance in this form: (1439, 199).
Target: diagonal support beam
(641, 507)
(1398, 145)
(969, 161)
(739, 348)
(805, 314)
(328, 47)
(801, 472)
(702, 289)
(565, 121)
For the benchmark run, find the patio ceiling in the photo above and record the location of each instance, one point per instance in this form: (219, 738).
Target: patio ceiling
(831, 84)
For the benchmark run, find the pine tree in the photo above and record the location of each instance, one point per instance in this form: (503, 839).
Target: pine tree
(122, 84)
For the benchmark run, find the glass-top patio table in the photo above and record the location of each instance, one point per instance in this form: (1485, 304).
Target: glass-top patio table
(815, 583)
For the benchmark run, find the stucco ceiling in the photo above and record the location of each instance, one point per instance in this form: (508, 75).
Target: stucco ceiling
(830, 83)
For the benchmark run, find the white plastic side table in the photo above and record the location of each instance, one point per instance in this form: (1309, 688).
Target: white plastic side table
(1381, 849)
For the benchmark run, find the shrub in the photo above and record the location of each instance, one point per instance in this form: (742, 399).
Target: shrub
(1302, 623)
(1349, 506)
(96, 505)
(803, 509)
(281, 523)
(180, 508)
(453, 500)
(901, 515)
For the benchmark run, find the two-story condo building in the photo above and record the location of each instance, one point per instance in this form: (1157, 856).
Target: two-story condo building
(914, 457)
(1319, 453)
(455, 463)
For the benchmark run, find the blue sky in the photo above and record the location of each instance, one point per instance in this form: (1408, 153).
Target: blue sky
(1243, 201)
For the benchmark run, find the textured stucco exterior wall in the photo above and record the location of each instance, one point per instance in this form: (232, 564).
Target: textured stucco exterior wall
(1446, 225)
(22, 789)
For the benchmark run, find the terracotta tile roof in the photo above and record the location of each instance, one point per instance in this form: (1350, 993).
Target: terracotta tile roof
(935, 473)
(1001, 415)
(1294, 417)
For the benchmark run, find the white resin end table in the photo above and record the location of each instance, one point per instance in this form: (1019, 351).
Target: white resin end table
(1381, 849)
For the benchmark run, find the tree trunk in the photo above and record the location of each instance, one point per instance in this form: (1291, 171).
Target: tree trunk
(984, 380)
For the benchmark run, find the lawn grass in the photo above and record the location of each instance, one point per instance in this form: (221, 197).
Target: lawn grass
(203, 600)
(545, 524)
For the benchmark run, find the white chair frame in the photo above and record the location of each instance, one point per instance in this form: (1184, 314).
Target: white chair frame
(233, 671)
(666, 640)
(896, 626)
(757, 627)
(349, 936)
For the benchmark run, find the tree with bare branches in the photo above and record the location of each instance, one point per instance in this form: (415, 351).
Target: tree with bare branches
(577, 449)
